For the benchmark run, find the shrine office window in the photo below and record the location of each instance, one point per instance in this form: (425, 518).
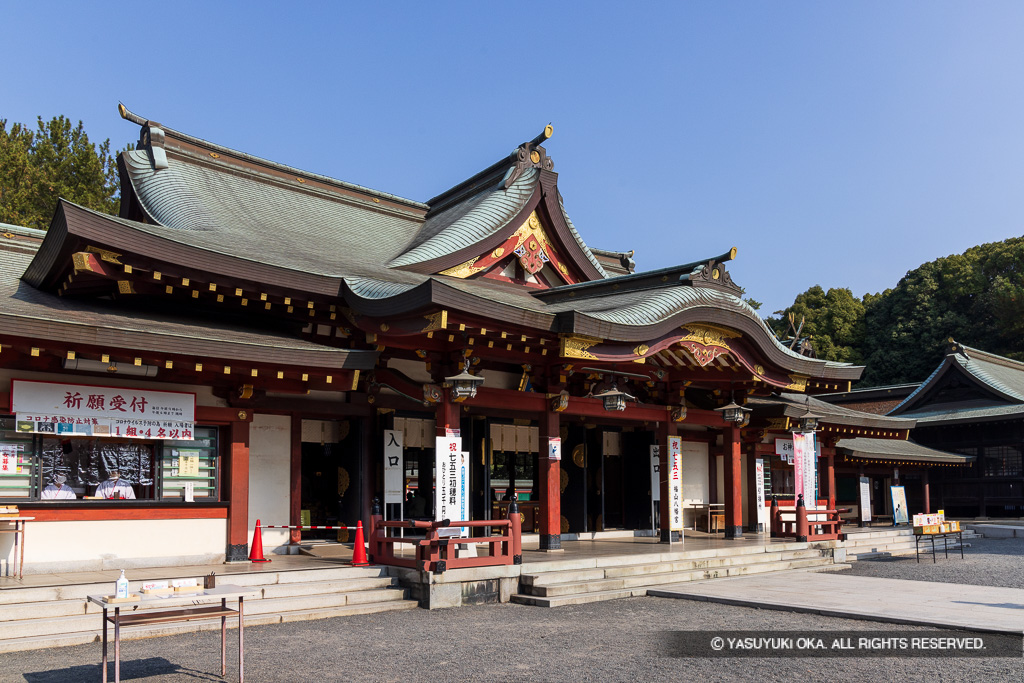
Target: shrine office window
(58, 469)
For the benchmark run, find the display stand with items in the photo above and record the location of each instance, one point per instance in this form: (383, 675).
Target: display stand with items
(936, 526)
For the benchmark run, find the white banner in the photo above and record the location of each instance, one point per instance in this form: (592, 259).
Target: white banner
(656, 473)
(451, 495)
(85, 410)
(10, 458)
(762, 511)
(394, 467)
(784, 449)
(675, 483)
(804, 467)
(865, 499)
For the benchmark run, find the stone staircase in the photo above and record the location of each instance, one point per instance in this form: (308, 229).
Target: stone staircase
(40, 617)
(866, 545)
(554, 584)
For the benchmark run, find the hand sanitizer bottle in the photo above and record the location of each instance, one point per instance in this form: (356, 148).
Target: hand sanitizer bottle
(122, 586)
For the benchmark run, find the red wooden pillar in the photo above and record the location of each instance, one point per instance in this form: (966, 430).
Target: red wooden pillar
(663, 431)
(238, 508)
(830, 477)
(295, 502)
(550, 485)
(733, 484)
(927, 491)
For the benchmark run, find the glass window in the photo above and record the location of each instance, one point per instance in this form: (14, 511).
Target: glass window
(17, 464)
(42, 467)
(1002, 461)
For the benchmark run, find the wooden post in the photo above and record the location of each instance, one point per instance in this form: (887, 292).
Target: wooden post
(927, 491)
(733, 485)
(802, 527)
(774, 518)
(550, 488)
(830, 477)
(238, 509)
(295, 502)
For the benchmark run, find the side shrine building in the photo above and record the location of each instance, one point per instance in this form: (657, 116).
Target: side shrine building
(246, 338)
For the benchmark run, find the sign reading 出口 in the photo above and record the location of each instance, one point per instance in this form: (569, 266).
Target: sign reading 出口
(84, 410)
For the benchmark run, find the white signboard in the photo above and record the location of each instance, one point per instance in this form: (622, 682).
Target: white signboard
(451, 494)
(394, 467)
(9, 458)
(555, 448)
(784, 449)
(865, 499)
(85, 410)
(656, 473)
(675, 483)
(762, 512)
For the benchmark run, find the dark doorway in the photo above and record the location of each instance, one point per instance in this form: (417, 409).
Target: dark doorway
(330, 479)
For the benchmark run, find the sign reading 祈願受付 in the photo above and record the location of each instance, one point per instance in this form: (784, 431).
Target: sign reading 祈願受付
(83, 410)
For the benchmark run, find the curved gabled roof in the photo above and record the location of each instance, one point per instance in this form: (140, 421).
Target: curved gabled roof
(1002, 377)
(463, 224)
(897, 449)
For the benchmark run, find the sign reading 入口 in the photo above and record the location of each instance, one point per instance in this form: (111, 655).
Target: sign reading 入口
(394, 468)
(85, 410)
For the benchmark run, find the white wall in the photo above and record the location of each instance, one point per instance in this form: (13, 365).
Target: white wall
(118, 544)
(695, 478)
(270, 477)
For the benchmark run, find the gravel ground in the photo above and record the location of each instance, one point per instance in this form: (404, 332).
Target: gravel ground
(987, 562)
(619, 640)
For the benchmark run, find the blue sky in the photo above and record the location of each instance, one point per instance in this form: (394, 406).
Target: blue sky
(839, 144)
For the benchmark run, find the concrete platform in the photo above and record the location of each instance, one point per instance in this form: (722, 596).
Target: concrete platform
(923, 603)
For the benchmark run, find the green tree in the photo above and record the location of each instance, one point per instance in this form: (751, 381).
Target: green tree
(57, 160)
(833, 320)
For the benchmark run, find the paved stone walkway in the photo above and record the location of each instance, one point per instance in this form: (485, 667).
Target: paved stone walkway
(948, 605)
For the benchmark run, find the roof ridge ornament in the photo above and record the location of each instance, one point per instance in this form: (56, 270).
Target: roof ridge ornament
(531, 155)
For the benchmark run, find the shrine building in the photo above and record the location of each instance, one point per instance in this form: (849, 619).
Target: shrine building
(241, 340)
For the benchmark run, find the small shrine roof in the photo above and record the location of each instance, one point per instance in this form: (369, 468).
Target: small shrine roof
(795, 405)
(867, 448)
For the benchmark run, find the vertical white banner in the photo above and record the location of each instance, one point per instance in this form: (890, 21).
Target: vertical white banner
(449, 461)
(675, 483)
(656, 473)
(810, 472)
(762, 511)
(798, 466)
(865, 499)
(394, 467)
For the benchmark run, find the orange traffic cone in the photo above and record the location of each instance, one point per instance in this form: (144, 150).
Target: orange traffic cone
(256, 554)
(359, 550)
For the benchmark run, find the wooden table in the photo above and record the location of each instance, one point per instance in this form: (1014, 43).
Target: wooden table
(188, 609)
(19, 529)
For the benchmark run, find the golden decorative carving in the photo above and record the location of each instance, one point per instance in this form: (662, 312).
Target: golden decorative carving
(80, 260)
(431, 394)
(343, 481)
(799, 383)
(105, 255)
(563, 481)
(214, 155)
(384, 327)
(576, 347)
(778, 423)
(641, 350)
(709, 335)
(560, 402)
(242, 415)
(759, 369)
(125, 287)
(463, 270)
(563, 269)
(564, 524)
(498, 253)
(436, 321)
(577, 456)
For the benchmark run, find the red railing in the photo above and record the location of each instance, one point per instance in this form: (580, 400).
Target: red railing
(803, 529)
(436, 553)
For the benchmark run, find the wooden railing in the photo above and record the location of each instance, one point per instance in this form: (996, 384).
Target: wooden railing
(437, 553)
(799, 527)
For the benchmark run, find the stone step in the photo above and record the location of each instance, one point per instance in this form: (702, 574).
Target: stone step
(902, 546)
(72, 607)
(81, 590)
(599, 596)
(95, 634)
(639, 580)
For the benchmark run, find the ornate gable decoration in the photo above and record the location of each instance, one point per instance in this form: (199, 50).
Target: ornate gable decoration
(706, 342)
(529, 246)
